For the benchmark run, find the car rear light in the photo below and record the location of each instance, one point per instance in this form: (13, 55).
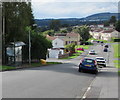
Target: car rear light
(95, 62)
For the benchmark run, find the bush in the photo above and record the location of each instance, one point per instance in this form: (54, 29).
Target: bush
(86, 43)
(71, 47)
(116, 40)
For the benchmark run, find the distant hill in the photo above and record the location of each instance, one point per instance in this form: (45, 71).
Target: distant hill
(92, 19)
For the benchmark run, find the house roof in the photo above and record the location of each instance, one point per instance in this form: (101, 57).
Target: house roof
(50, 37)
(108, 31)
(98, 30)
(60, 34)
(72, 34)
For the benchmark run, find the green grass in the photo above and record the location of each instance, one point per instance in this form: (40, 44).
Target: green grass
(117, 63)
(78, 52)
(116, 50)
(6, 67)
(82, 46)
(117, 55)
(119, 73)
(73, 56)
(105, 41)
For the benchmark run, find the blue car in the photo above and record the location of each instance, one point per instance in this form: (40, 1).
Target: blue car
(88, 64)
(105, 50)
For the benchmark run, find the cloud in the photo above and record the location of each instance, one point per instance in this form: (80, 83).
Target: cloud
(71, 9)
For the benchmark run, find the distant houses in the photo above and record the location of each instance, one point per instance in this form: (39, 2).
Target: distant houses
(62, 39)
(104, 33)
(59, 41)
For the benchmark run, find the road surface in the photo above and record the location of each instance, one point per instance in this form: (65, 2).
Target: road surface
(62, 80)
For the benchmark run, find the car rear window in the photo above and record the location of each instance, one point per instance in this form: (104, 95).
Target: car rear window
(100, 58)
(88, 61)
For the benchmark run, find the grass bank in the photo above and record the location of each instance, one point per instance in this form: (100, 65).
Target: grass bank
(116, 50)
(117, 55)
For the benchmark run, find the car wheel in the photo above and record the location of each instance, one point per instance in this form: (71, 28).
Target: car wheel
(96, 72)
(104, 65)
(79, 70)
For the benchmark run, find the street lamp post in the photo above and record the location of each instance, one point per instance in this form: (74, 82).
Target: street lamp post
(29, 29)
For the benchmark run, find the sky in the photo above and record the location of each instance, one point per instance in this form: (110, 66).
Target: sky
(72, 9)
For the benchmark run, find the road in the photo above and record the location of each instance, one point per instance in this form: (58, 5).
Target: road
(62, 80)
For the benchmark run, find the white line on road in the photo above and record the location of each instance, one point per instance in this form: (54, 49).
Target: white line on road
(88, 89)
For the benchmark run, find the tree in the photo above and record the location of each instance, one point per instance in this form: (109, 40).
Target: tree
(106, 23)
(69, 29)
(71, 47)
(17, 16)
(39, 46)
(63, 31)
(84, 32)
(117, 26)
(55, 25)
(49, 32)
(112, 20)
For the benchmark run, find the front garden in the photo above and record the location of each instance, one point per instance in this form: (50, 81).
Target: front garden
(76, 52)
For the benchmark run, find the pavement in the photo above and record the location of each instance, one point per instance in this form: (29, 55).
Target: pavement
(63, 80)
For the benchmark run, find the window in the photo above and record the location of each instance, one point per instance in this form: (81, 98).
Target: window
(56, 43)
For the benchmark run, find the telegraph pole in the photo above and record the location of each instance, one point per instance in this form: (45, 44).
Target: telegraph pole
(29, 47)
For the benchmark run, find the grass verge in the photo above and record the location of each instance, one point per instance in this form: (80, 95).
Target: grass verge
(82, 46)
(116, 50)
(117, 55)
(4, 68)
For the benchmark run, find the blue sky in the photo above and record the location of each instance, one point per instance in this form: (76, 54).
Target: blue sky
(43, 10)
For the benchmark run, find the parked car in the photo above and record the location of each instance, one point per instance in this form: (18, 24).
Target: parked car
(92, 52)
(106, 46)
(81, 49)
(105, 49)
(88, 64)
(101, 61)
(94, 41)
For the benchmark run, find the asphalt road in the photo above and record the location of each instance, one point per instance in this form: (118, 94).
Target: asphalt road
(59, 81)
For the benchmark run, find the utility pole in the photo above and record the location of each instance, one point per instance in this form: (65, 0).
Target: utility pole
(29, 47)
(29, 29)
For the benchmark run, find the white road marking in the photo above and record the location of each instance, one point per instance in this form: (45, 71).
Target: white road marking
(88, 89)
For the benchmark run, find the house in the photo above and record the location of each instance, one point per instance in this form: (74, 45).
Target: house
(96, 33)
(72, 38)
(108, 34)
(55, 52)
(105, 34)
(69, 37)
(59, 41)
(100, 25)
